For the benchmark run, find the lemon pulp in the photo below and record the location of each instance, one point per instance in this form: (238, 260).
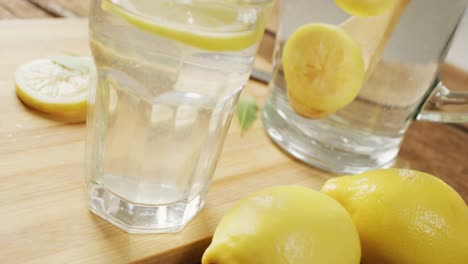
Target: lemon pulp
(51, 88)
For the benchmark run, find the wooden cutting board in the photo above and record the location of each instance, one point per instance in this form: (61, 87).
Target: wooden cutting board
(44, 215)
(44, 218)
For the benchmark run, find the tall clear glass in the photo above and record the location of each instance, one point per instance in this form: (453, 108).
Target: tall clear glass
(402, 88)
(168, 76)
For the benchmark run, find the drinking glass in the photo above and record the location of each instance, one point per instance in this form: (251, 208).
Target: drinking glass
(168, 76)
(403, 87)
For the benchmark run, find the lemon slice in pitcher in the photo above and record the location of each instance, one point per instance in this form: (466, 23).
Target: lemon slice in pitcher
(203, 24)
(325, 65)
(365, 8)
(324, 69)
(49, 87)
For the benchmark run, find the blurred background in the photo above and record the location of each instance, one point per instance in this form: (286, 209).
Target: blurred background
(454, 73)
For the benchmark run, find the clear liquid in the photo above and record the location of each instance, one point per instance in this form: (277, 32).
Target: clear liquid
(367, 133)
(158, 145)
(157, 121)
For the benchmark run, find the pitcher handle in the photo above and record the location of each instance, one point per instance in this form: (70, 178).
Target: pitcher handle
(438, 106)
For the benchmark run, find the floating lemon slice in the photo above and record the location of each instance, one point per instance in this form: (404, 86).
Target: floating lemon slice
(206, 25)
(325, 66)
(324, 69)
(365, 8)
(52, 88)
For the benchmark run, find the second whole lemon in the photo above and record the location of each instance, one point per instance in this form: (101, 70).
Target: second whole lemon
(404, 217)
(285, 224)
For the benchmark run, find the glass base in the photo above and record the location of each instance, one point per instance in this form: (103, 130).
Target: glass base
(141, 218)
(327, 153)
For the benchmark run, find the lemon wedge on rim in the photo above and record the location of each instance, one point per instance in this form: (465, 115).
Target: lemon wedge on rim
(206, 25)
(51, 88)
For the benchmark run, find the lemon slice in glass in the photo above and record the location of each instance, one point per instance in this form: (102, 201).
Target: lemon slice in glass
(52, 88)
(209, 25)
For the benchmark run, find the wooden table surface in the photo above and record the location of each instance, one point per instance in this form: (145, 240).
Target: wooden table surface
(54, 236)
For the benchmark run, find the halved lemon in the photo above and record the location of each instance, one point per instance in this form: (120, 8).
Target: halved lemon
(209, 25)
(51, 88)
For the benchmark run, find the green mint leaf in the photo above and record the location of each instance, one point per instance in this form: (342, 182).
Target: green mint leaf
(73, 63)
(246, 111)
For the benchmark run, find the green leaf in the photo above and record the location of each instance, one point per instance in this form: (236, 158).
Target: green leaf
(73, 63)
(246, 111)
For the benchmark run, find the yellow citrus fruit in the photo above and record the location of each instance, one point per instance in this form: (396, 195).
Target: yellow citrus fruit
(324, 69)
(220, 26)
(365, 8)
(51, 88)
(285, 224)
(404, 216)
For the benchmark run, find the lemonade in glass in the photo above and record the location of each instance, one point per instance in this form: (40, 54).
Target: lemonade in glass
(169, 73)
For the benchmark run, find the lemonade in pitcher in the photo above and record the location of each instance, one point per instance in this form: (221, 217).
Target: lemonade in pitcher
(334, 117)
(169, 73)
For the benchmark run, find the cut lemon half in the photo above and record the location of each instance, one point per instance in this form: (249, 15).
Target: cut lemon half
(324, 69)
(215, 26)
(365, 8)
(51, 88)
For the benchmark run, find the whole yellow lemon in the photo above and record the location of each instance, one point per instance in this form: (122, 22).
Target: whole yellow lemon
(282, 225)
(404, 217)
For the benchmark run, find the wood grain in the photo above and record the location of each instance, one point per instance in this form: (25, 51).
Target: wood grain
(5, 13)
(21, 9)
(64, 8)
